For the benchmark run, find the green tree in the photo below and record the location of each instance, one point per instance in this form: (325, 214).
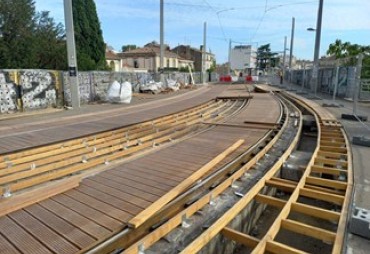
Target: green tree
(128, 47)
(265, 58)
(349, 51)
(50, 43)
(16, 34)
(89, 37)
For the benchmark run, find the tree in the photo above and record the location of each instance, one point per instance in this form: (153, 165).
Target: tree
(347, 50)
(128, 47)
(50, 43)
(90, 45)
(265, 58)
(16, 34)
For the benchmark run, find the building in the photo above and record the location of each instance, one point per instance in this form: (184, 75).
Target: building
(148, 58)
(113, 60)
(195, 55)
(242, 58)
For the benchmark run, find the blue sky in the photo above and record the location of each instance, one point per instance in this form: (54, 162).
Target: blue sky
(253, 22)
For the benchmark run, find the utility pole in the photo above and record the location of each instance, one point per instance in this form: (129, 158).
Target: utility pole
(204, 53)
(284, 56)
(71, 54)
(291, 49)
(315, 71)
(229, 69)
(161, 54)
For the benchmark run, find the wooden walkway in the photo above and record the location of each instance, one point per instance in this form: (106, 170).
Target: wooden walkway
(102, 205)
(27, 135)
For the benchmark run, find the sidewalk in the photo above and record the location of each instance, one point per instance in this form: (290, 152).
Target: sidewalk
(361, 155)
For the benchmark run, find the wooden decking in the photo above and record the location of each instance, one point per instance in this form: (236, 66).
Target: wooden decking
(103, 204)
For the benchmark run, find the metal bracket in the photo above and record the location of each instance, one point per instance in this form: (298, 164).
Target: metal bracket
(185, 223)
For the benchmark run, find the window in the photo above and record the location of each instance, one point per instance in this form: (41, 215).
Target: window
(136, 63)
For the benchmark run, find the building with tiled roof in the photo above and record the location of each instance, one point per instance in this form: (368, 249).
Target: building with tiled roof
(194, 54)
(148, 57)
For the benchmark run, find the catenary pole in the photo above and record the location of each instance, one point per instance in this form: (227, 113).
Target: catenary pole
(71, 54)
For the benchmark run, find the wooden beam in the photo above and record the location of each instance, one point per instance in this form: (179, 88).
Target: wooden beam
(333, 149)
(279, 248)
(280, 185)
(261, 123)
(327, 170)
(241, 97)
(323, 189)
(277, 202)
(304, 229)
(169, 196)
(331, 143)
(320, 195)
(331, 162)
(240, 237)
(326, 183)
(22, 200)
(282, 180)
(245, 126)
(315, 211)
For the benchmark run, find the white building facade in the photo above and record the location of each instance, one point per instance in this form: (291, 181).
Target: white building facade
(243, 57)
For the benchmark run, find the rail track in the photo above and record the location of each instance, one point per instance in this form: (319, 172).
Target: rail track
(323, 192)
(170, 204)
(28, 168)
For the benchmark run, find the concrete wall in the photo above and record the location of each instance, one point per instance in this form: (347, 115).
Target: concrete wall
(35, 89)
(29, 89)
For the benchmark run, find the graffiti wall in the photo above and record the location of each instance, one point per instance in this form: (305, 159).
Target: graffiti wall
(28, 89)
(8, 93)
(35, 89)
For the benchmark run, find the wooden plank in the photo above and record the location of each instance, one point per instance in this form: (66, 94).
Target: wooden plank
(99, 205)
(324, 189)
(280, 185)
(17, 236)
(240, 237)
(315, 211)
(87, 211)
(165, 199)
(241, 97)
(30, 197)
(261, 123)
(62, 227)
(326, 183)
(279, 248)
(245, 126)
(333, 149)
(332, 155)
(277, 202)
(44, 234)
(320, 195)
(331, 143)
(304, 229)
(327, 170)
(332, 162)
(90, 227)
